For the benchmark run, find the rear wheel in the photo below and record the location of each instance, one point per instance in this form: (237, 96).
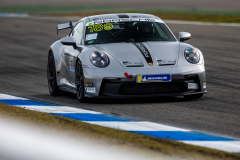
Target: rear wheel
(194, 96)
(51, 76)
(79, 81)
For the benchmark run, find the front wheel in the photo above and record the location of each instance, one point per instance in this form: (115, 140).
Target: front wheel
(79, 81)
(193, 96)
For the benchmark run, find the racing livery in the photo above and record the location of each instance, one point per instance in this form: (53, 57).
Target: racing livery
(124, 55)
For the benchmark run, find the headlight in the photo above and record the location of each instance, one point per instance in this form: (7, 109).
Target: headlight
(192, 55)
(99, 59)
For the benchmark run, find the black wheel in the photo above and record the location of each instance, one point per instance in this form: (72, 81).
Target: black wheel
(79, 81)
(194, 96)
(51, 76)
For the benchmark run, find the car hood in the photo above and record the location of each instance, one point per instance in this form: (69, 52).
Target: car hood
(140, 54)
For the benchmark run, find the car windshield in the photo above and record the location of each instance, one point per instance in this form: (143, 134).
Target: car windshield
(115, 32)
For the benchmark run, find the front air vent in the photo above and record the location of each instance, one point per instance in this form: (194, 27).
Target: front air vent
(152, 88)
(165, 63)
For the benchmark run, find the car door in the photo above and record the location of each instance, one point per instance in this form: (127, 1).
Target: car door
(70, 55)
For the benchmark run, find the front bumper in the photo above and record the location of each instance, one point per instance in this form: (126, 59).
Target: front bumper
(177, 87)
(121, 87)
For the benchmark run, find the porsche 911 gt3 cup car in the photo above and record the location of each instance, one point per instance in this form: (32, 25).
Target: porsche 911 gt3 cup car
(124, 55)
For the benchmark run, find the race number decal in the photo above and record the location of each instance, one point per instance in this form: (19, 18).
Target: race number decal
(108, 26)
(100, 27)
(96, 28)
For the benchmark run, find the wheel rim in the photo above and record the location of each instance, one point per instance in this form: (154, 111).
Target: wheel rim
(79, 81)
(50, 73)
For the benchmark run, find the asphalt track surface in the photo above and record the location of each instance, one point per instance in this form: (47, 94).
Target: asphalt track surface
(231, 5)
(23, 70)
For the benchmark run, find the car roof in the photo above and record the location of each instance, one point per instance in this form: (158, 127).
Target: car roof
(122, 15)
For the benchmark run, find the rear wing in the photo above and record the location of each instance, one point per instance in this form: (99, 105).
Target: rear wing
(65, 26)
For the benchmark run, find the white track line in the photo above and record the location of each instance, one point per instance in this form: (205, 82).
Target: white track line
(137, 126)
(57, 109)
(5, 96)
(228, 146)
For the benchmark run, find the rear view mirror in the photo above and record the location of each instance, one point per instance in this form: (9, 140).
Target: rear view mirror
(183, 36)
(69, 41)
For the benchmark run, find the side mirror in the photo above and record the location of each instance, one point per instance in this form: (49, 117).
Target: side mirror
(69, 41)
(183, 36)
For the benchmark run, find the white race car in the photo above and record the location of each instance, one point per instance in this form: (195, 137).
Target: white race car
(124, 55)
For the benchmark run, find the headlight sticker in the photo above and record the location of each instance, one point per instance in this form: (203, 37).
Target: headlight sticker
(91, 36)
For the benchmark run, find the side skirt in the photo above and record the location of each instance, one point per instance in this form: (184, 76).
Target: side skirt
(68, 89)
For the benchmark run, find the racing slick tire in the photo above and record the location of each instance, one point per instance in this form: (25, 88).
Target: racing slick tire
(51, 76)
(194, 96)
(79, 81)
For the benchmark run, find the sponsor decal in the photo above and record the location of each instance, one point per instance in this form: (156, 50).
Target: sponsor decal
(192, 85)
(71, 65)
(146, 54)
(85, 66)
(91, 36)
(90, 89)
(130, 64)
(153, 78)
(90, 42)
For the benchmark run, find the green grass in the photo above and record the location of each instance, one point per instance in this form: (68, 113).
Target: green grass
(164, 147)
(49, 9)
(202, 12)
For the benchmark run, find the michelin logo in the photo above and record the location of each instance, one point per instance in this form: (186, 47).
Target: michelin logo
(144, 79)
(153, 78)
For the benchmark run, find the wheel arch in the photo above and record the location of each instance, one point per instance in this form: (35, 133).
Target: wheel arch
(56, 62)
(83, 81)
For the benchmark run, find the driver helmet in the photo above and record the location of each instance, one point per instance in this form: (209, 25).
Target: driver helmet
(145, 29)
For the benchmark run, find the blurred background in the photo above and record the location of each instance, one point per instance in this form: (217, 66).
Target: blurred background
(190, 10)
(27, 40)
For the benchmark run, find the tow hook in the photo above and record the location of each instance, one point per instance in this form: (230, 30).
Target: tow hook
(128, 75)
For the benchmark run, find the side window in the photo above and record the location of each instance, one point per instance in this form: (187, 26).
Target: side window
(77, 32)
(161, 32)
